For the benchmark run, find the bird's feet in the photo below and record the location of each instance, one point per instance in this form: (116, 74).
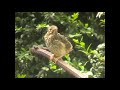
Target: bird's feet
(55, 59)
(52, 57)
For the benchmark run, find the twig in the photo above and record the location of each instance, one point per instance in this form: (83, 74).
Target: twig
(71, 70)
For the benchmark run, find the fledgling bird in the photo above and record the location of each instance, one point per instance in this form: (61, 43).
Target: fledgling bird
(57, 43)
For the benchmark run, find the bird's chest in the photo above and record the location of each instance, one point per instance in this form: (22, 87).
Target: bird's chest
(55, 45)
(57, 50)
(49, 39)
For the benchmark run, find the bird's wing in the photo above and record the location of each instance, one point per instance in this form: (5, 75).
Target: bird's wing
(63, 39)
(58, 48)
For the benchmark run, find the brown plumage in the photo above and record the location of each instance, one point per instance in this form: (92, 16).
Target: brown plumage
(57, 43)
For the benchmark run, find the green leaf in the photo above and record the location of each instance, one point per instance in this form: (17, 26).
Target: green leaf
(17, 18)
(75, 16)
(76, 41)
(21, 76)
(82, 68)
(103, 20)
(82, 44)
(79, 63)
(89, 73)
(23, 49)
(45, 68)
(81, 39)
(80, 24)
(42, 25)
(86, 25)
(96, 53)
(67, 57)
(89, 47)
(18, 29)
(84, 52)
(74, 35)
(53, 67)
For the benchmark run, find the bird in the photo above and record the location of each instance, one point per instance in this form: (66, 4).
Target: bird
(56, 43)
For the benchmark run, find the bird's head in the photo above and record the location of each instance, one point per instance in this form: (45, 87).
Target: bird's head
(53, 29)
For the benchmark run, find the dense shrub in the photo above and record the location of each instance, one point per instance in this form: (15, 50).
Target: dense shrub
(85, 30)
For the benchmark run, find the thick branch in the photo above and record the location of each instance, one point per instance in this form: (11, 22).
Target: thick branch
(76, 73)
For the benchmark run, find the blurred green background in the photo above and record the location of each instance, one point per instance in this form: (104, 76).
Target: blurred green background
(85, 30)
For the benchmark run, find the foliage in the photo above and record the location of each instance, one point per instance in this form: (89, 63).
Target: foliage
(85, 30)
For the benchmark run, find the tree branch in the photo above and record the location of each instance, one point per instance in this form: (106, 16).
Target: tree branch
(71, 70)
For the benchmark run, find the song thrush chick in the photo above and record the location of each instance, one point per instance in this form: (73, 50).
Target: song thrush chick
(57, 43)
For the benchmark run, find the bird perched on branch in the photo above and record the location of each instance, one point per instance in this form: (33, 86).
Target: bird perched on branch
(57, 43)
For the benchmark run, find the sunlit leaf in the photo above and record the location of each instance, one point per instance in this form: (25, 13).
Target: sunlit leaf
(84, 52)
(89, 73)
(96, 53)
(67, 57)
(86, 25)
(18, 29)
(82, 44)
(45, 68)
(79, 63)
(53, 67)
(74, 35)
(21, 76)
(75, 16)
(99, 14)
(76, 41)
(82, 68)
(42, 25)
